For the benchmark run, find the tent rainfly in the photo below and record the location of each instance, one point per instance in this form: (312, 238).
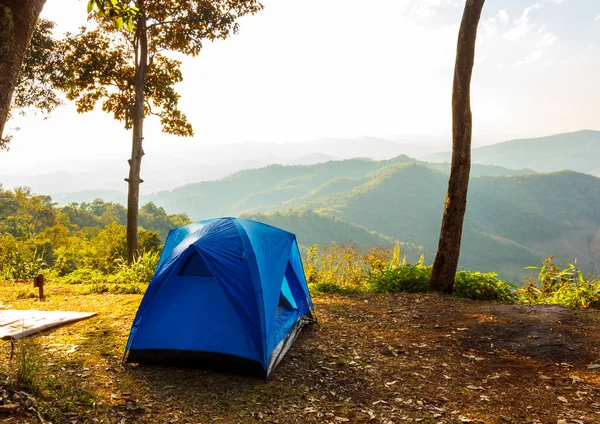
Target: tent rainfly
(228, 294)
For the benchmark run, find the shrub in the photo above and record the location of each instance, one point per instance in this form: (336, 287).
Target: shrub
(140, 271)
(347, 266)
(23, 265)
(84, 275)
(412, 278)
(566, 286)
(480, 286)
(25, 293)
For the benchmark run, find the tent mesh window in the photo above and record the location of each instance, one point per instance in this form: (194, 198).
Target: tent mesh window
(194, 266)
(284, 304)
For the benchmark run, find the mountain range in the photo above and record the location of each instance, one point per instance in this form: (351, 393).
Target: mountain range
(514, 218)
(578, 151)
(198, 161)
(517, 215)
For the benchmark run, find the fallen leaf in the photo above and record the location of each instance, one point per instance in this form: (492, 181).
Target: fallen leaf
(563, 399)
(593, 366)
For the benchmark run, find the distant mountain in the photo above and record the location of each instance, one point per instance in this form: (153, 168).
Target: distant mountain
(514, 218)
(578, 151)
(208, 162)
(312, 159)
(276, 186)
(511, 222)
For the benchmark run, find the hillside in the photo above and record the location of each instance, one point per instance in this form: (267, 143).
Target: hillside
(278, 187)
(514, 218)
(511, 222)
(578, 151)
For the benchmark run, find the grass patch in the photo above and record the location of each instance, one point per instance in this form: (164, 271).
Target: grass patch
(365, 349)
(102, 288)
(26, 293)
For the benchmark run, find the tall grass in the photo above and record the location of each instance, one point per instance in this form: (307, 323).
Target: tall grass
(140, 271)
(349, 269)
(564, 286)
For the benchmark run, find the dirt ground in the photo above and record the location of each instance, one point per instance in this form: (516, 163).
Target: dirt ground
(370, 359)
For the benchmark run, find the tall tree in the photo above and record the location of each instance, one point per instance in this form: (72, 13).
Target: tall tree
(34, 88)
(17, 22)
(446, 259)
(133, 77)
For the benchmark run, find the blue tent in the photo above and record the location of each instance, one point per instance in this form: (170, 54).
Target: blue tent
(228, 294)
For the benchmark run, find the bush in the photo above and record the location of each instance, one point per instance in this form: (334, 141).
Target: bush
(23, 266)
(480, 286)
(140, 271)
(83, 276)
(412, 278)
(566, 286)
(25, 293)
(347, 266)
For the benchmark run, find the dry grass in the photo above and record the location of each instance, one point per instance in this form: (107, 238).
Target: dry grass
(371, 358)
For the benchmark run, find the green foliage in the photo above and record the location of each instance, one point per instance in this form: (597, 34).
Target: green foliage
(23, 214)
(100, 64)
(156, 218)
(344, 265)
(566, 286)
(120, 12)
(345, 269)
(83, 276)
(23, 266)
(141, 270)
(79, 243)
(26, 293)
(512, 220)
(104, 288)
(411, 278)
(483, 286)
(34, 89)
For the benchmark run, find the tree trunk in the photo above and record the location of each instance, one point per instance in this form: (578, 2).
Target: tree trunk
(446, 259)
(17, 23)
(137, 151)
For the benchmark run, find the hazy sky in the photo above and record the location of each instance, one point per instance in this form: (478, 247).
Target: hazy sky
(306, 69)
